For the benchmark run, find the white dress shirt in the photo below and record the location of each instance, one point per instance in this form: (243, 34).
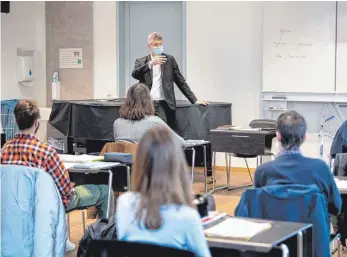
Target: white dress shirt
(157, 92)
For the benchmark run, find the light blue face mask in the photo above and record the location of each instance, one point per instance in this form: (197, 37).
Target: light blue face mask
(157, 50)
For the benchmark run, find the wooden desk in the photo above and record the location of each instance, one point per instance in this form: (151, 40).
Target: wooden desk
(294, 237)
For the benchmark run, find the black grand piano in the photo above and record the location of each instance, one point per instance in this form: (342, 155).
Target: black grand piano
(88, 124)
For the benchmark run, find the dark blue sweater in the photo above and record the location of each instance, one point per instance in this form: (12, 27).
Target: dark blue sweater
(294, 168)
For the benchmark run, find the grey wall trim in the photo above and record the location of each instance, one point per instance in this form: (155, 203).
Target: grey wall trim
(122, 85)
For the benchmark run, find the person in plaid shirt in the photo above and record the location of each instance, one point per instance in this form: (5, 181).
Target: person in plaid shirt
(25, 149)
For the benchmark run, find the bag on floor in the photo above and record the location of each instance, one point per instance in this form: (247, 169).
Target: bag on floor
(104, 228)
(211, 203)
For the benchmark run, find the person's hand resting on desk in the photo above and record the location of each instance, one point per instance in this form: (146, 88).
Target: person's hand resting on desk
(199, 102)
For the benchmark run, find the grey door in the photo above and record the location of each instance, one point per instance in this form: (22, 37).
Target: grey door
(141, 18)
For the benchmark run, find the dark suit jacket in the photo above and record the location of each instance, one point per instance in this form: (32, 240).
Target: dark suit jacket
(170, 73)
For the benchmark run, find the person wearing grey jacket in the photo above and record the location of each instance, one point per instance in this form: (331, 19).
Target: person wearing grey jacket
(137, 115)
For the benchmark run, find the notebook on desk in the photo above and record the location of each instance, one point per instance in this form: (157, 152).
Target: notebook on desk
(236, 228)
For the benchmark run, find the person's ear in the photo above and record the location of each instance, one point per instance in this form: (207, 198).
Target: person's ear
(278, 136)
(37, 124)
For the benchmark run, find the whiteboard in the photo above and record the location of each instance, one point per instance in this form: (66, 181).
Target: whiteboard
(341, 50)
(299, 47)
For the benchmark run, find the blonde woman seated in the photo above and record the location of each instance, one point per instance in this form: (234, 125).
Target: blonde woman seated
(137, 115)
(160, 209)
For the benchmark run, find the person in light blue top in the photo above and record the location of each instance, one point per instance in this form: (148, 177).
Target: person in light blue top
(159, 209)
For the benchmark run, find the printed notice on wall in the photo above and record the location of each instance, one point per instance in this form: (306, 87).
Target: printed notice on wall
(71, 58)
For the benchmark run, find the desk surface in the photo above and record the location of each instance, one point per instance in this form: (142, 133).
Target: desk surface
(279, 232)
(120, 102)
(193, 143)
(342, 187)
(244, 131)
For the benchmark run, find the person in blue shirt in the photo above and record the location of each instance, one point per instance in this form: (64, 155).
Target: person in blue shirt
(159, 209)
(291, 167)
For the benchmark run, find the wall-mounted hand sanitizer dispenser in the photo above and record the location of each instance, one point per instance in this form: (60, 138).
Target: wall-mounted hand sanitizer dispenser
(25, 67)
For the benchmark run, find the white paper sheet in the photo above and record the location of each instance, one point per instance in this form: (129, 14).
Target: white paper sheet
(68, 165)
(341, 184)
(71, 58)
(79, 158)
(236, 228)
(94, 165)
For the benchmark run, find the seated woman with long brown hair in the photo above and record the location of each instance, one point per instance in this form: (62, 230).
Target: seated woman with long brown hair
(160, 209)
(137, 115)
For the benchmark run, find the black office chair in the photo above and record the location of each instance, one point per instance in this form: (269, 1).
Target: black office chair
(339, 144)
(340, 170)
(111, 248)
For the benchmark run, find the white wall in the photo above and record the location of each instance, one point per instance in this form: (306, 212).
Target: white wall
(224, 56)
(224, 43)
(105, 49)
(24, 27)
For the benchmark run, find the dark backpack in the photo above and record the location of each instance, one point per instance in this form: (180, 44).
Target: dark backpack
(104, 228)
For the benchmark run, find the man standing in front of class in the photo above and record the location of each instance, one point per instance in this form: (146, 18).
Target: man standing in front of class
(159, 71)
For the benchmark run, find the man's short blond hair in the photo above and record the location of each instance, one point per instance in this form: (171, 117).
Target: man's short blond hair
(154, 36)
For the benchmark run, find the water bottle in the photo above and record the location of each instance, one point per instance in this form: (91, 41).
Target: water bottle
(55, 77)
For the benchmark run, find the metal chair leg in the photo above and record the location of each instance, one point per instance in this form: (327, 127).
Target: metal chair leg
(193, 165)
(205, 168)
(83, 222)
(214, 189)
(213, 170)
(68, 226)
(249, 172)
(227, 169)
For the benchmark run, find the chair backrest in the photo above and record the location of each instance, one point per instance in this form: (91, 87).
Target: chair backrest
(298, 203)
(32, 213)
(339, 144)
(110, 248)
(122, 146)
(340, 165)
(263, 124)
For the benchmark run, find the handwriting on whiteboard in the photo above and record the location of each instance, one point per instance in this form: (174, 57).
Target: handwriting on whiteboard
(290, 56)
(283, 31)
(289, 50)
